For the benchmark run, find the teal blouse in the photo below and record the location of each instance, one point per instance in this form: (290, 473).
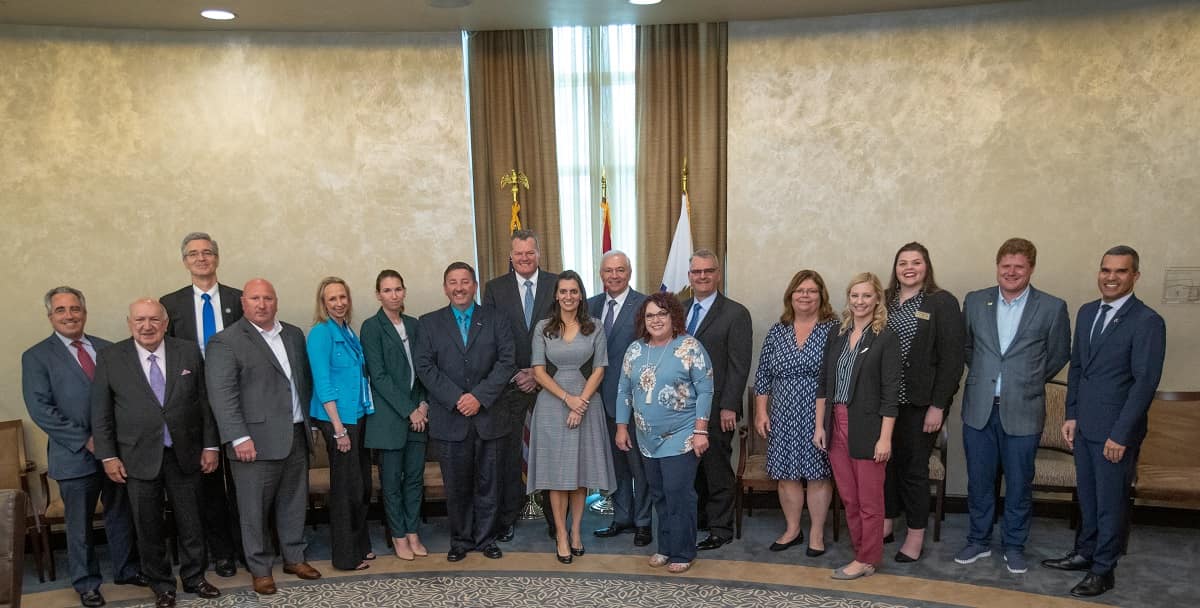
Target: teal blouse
(665, 390)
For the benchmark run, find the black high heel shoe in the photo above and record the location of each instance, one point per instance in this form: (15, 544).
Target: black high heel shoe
(578, 552)
(563, 559)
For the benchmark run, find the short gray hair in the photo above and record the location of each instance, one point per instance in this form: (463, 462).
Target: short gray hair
(1124, 250)
(61, 290)
(197, 236)
(613, 253)
(524, 235)
(706, 254)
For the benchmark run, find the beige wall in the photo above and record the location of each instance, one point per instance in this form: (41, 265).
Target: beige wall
(304, 155)
(960, 128)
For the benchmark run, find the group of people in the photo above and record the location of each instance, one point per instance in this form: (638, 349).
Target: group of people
(211, 400)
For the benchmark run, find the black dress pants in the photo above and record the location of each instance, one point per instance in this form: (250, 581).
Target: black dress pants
(906, 488)
(714, 482)
(349, 496)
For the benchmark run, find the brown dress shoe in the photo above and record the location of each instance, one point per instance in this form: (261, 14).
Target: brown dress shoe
(302, 570)
(264, 585)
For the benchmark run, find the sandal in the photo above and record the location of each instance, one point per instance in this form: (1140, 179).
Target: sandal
(658, 560)
(679, 567)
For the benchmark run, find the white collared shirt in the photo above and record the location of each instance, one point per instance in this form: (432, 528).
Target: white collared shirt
(1112, 314)
(705, 306)
(87, 345)
(403, 333)
(275, 342)
(198, 308)
(521, 286)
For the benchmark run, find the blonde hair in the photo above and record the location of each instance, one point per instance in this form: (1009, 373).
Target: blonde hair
(320, 314)
(879, 319)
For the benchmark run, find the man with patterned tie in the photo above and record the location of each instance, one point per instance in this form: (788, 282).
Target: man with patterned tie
(196, 313)
(56, 378)
(157, 442)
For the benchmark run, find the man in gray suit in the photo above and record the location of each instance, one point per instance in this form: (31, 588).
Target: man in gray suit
(616, 309)
(56, 378)
(259, 384)
(1018, 338)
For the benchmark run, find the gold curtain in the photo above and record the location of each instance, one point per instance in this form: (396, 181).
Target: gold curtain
(681, 112)
(511, 89)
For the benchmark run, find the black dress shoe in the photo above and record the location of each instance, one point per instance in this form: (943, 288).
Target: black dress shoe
(809, 551)
(138, 579)
(1093, 585)
(492, 552)
(642, 536)
(91, 599)
(788, 545)
(1071, 561)
(166, 599)
(612, 530)
(226, 568)
(712, 542)
(507, 535)
(203, 589)
(904, 558)
(455, 555)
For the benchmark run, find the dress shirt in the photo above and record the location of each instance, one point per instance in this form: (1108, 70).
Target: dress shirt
(272, 336)
(705, 306)
(1008, 318)
(1112, 313)
(407, 350)
(461, 315)
(521, 287)
(87, 345)
(198, 308)
(144, 360)
(619, 299)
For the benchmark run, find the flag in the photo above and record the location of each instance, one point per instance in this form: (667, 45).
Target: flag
(606, 238)
(675, 275)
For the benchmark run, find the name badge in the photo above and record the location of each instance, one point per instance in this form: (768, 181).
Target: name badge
(922, 315)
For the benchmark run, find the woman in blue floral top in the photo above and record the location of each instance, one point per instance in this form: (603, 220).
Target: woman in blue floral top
(666, 389)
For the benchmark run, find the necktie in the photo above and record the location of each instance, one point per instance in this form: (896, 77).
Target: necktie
(463, 328)
(209, 318)
(609, 316)
(528, 303)
(158, 384)
(85, 360)
(1099, 327)
(691, 328)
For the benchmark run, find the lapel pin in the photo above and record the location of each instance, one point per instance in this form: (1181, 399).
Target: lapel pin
(227, 311)
(185, 372)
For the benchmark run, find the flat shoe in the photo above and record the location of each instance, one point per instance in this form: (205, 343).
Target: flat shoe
(679, 567)
(841, 575)
(788, 545)
(809, 551)
(904, 558)
(658, 560)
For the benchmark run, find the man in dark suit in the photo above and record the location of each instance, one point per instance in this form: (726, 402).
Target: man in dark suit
(1116, 363)
(154, 432)
(724, 329)
(197, 312)
(1017, 339)
(616, 309)
(259, 386)
(56, 378)
(464, 357)
(523, 297)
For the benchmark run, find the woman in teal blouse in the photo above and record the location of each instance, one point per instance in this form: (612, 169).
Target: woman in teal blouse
(666, 389)
(341, 398)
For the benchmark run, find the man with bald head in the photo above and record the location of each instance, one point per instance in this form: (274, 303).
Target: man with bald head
(154, 433)
(258, 382)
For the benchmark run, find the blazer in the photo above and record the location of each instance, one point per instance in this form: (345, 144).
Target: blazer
(448, 369)
(58, 396)
(935, 357)
(388, 366)
(1040, 348)
(181, 311)
(1111, 383)
(622, 335)
(503, 295)
(338, 370)
(127, 420)
(727, 334)
(874, 387)
(249, 391)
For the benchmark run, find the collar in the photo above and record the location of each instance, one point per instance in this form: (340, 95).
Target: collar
(521, 280)
(212, 293)
(705, 303)
(160, 352)
(1024, 297)
(67, 341)
(463, 314)
(619, 298)
(275, 330)
(1117, 303)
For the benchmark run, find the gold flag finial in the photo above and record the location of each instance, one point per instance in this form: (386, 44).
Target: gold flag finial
(685, 175)
(603, 183)
(516, 180)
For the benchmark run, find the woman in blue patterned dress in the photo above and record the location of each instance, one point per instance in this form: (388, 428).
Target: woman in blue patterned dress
(789, 370)
(666, 388)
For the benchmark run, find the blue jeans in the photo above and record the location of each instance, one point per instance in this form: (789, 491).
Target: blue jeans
(672, 483)
(989, 450)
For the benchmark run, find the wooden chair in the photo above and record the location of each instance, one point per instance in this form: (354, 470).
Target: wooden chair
(15, 469)
(937, 480)
(318, 472)
(1054, 465)
(1168, 468)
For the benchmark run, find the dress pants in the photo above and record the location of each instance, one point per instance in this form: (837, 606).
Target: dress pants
(989, 450)
(715, 481)
(860, 484)
(907, 486)
(674, 496)
(402, 483)
(630, 499)
(219, 512)
(281, 486)
(512, 460)
(79, 496)
(471, 474)
(147, 500)
(1103, 489)
(349, 496)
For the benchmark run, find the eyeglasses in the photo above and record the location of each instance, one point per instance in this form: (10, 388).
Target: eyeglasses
(702, 271)
(662, 314)
(204, 253)
(808, 292)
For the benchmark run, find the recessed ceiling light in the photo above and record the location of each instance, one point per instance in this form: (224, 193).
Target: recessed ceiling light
(217, 14)
(644, 2)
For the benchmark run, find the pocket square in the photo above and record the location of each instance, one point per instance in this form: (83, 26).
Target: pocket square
(864, 350)
(185, 372)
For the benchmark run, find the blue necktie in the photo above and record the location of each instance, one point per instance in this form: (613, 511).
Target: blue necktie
(209, 318)
(691, 328)
(1099, 327)
(158, 384)
(463, 328)
(528, 303)
(609, 316)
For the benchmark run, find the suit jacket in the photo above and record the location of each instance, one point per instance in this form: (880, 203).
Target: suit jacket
(1111, 383)
(181, 310)
(127, 419)
(448, 369)
(58, 397)
(727, 334)
(503, 295)
(874, 388)
(935, 357)
(387, 365)
(622, 335)
(249, 391)
(1040, 348)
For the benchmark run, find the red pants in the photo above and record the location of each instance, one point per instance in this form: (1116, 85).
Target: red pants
(860, 484)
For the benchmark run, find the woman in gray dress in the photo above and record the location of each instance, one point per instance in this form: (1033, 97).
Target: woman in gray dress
(568, 446)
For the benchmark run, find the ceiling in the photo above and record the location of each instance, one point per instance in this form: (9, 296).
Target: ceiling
(426, 15)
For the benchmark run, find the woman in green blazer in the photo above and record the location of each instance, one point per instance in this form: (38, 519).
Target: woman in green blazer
(397, 428)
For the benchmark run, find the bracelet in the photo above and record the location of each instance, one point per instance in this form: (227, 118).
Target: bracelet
(699, 432)
(340, 435)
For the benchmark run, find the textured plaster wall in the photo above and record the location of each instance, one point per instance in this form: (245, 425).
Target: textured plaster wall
(304, 155)
(1073, 124)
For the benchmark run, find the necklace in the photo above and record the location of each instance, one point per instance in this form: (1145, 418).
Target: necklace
(649, 376)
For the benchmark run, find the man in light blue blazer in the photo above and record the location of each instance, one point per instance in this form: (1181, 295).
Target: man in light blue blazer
(1116, 363)
(616, 308)
(1018, 338)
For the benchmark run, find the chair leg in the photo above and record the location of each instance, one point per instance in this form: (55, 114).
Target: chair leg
(738, 499)
(940, 513)
(49, 552)
(35, 543)
(750, 502)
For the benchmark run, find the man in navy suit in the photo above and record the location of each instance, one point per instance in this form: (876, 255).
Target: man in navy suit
(1117, 360)
(616, 308)
(56, 378)
(464, 358)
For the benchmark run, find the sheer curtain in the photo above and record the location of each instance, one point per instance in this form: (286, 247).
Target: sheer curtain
(595, 128)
